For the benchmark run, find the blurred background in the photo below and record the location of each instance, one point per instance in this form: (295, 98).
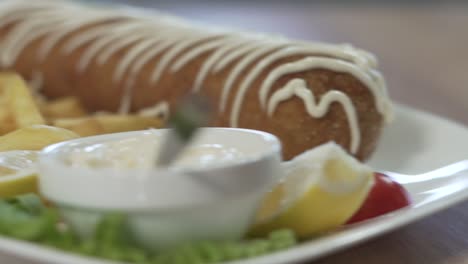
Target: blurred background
(421, 45)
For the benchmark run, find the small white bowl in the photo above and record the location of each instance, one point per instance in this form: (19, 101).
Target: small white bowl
(164, 206)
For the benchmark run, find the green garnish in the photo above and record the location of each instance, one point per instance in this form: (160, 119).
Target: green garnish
(193, 113)
(184, 125)
(26, 218)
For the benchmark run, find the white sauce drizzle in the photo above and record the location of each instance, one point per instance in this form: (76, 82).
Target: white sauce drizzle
(54, 38)
(100, 43)
(221, 64)
(215, 56)
(160, 109)
(172, 53)
(147, 36)
(36, 82)
(116, 47)
(298, 87)
(126, 99)
(324, 63)
(8, 16)
(240, 66)
(23, 34)
(194, 53)
(81, 39)
(130, 57)
(89, 54)
(151, 54)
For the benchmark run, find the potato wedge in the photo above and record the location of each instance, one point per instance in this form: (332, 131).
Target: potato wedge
(20, 100)
(84, 127)
(66, 107)
(34, 137)
(41, 102)
(7, 124)
(5, 171)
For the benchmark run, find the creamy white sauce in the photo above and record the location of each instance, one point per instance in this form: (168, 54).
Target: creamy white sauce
(148, 35)
(141, 152)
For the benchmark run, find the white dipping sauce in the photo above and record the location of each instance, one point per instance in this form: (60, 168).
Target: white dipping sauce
(142, 151)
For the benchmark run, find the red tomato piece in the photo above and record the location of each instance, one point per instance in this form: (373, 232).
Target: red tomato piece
(385, 196)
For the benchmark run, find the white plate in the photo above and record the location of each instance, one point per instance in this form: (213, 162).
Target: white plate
(416, 142)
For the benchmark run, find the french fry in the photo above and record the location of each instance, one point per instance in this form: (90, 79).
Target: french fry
(40, 101)
(66, 107)
(5, 171)
(23, 115)
(7, 123)
(34, 137)
(123, 123)
(21, 102)
(84, 127)
(107, 123)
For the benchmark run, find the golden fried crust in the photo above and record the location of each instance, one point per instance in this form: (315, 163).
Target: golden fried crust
(297, 130)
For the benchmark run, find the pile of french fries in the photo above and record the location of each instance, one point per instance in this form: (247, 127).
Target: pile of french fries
(29, 122)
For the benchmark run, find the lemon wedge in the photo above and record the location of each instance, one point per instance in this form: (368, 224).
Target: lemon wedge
(34, 137)
(321, 190)
(17, 173)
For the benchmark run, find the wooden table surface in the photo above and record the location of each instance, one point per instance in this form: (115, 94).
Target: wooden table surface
(422, 52)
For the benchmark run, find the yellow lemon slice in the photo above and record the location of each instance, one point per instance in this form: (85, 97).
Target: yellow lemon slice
(17, 173)
(321, 190)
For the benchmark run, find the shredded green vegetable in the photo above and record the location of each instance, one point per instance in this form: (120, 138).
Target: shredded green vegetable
(26, 218)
